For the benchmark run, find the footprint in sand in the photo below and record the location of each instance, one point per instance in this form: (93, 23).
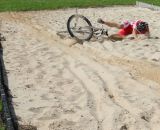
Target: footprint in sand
(36, 110)
(52, 113)
(63, 125)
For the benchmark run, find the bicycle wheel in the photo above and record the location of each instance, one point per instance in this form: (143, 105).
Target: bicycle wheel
(80, 27)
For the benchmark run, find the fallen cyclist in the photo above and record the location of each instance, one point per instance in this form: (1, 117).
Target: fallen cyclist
(128, 28)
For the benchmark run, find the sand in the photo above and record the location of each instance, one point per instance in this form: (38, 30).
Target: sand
(95, 86)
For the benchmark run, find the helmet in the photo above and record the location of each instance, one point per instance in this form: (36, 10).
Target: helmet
(142, 26)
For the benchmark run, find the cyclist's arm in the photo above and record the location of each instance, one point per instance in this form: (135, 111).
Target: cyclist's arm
(135, 34)
(148, 33)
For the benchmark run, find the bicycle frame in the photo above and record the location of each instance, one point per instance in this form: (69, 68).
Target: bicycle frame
(79, 32)
(100, 31)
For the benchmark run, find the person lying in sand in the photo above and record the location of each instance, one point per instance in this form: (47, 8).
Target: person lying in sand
(127, 28)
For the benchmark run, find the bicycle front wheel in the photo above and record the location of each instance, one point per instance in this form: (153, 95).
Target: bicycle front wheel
(80, 27)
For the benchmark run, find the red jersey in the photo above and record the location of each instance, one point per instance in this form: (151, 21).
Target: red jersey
(128, 28)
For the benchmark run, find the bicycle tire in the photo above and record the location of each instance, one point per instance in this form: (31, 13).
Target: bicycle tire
(85, 20)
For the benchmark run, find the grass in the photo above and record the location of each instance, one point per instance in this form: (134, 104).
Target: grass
(0, 105)
(24, 5)
(1, 124)
(17, 5)
(1, 127)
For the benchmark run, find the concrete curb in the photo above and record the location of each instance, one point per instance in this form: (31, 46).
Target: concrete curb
(146, 5)
(4, 94)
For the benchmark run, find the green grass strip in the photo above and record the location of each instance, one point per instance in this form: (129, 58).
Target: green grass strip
(0, 105)
(2, 127)
(24, 5)
(1, 124)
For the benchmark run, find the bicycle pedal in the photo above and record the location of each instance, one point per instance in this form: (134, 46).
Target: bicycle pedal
(105, 32)
(2, 39)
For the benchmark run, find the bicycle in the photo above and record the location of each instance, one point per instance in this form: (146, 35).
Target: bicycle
(81, 28)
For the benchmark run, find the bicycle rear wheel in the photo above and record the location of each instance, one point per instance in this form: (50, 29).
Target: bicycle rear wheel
(80, 27)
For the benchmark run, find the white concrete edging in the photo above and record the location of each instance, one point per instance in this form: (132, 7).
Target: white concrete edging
(146, 5)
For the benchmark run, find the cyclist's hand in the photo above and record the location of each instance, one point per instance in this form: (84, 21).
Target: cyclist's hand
(100, 21)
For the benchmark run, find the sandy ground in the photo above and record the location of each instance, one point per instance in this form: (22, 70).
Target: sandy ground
(94, 86)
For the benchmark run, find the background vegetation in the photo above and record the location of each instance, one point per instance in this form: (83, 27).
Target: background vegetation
(24, 5)
(1, 123)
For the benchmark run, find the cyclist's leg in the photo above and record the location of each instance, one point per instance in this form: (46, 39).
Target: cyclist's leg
(116, 37)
